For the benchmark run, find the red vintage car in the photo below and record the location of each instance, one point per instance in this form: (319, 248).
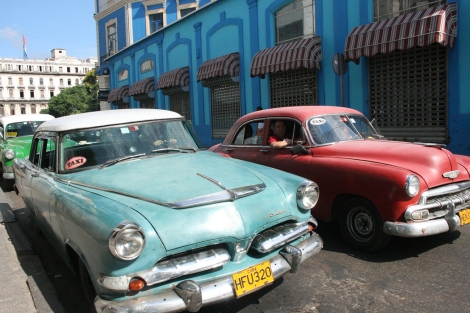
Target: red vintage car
(376, 188)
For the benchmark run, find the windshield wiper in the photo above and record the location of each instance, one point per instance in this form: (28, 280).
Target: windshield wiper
(182, 149)
(114, 161)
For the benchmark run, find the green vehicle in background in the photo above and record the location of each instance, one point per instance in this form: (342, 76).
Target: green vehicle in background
(16, 133)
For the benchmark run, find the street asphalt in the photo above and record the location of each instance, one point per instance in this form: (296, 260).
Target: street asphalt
(26, 287)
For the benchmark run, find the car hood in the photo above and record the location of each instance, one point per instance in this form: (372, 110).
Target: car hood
(21, 145)
(431, 162)
(175, 178)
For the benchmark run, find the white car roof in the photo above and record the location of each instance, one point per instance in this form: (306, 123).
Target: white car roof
(8, 119)
(105, 118)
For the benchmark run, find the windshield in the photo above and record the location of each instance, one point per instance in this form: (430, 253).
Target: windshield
(20, 129)
(107, 146)
(336, 128)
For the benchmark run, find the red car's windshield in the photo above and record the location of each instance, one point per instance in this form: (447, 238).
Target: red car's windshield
(336, 128)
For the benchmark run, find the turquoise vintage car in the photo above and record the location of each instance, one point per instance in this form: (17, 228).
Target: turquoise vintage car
(152, 222)
(16, 132)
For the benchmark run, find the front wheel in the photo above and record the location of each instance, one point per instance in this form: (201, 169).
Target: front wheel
(362, 226)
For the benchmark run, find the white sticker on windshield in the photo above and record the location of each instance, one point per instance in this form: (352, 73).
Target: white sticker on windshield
(317, 121)
(124, 130)
(352, 120)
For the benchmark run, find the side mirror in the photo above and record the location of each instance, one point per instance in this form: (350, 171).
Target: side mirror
(298, 149)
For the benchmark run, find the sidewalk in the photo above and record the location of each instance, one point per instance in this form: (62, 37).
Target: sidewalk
(26, 287)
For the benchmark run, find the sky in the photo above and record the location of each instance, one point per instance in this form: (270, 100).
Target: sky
(46, 25)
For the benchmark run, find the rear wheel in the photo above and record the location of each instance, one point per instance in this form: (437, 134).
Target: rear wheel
(362, 226)
(87, 285)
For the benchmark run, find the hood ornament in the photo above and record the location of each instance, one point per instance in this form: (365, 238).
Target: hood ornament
(451, 174)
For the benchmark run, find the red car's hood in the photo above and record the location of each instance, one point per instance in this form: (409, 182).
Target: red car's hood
(430, 162)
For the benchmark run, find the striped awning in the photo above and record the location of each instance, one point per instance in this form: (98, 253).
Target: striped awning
(118, 94)
(228, 64)
(305, 53)
(142, 86)
(418, 29)
(175, 78)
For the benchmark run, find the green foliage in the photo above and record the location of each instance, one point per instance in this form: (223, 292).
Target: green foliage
(77, 99)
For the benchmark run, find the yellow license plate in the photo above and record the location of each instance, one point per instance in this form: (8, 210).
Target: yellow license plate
(12, 134)
(252, 278)
(464, 217)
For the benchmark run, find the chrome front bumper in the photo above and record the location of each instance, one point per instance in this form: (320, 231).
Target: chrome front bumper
(449, 222)
(189, 296)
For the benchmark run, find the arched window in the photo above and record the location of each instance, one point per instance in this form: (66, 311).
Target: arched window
(146, 66)
(124, 74)
(295, 21)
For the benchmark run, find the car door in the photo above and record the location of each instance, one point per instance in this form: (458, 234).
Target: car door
(24, 171)
(283, 159)
(247, 141)
(42, 182)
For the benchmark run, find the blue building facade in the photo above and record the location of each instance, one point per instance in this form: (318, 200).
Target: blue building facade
(222, 59)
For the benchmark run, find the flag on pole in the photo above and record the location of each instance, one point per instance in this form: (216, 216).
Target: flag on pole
(25, 55)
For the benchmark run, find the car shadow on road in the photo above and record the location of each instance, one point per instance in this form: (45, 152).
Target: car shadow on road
(63, 287)
(399, 248)
(42, 293)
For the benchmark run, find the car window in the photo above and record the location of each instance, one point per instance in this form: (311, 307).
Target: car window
(250, 134)
(35, 151)
(22, 128)
(293, 131)
(82, 149)
(48, 157)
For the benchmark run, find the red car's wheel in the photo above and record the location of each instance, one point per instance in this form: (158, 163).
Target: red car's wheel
(361, 225)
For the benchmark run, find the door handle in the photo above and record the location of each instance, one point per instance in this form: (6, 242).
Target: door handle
(228, 149)
(264, 150)
(35, 174)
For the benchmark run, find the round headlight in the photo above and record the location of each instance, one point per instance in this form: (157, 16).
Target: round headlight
(412, 185)
(307, 195)
(9, 154)
(126, 241)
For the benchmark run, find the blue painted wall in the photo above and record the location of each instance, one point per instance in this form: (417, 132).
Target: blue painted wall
(138, 21)
(247, 26)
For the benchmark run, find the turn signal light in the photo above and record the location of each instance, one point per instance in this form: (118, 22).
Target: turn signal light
(136, 284)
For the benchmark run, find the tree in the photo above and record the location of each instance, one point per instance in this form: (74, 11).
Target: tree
(77, 99)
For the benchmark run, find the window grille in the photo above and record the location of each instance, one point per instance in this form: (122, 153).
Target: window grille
(148, 103)
(292, 88)
(225, 104)
(179, 101)
(408, 94)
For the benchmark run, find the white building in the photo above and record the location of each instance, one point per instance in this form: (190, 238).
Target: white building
(26, 86)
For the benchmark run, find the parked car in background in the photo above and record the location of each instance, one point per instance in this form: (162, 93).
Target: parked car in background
(376, 188)
(16, 132)
(154, 223)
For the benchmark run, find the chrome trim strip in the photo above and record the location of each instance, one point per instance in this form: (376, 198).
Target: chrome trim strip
(278, 236)
(216, 197)
(212, 291)
(170, 269)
